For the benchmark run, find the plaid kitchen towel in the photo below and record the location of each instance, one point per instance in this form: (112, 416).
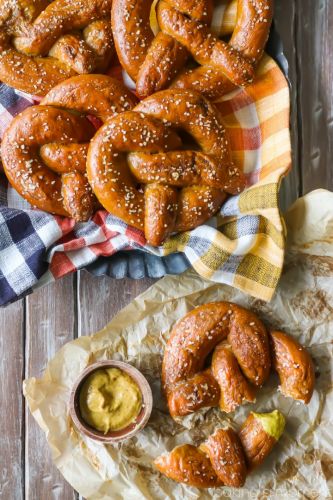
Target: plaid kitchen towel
(242, 246)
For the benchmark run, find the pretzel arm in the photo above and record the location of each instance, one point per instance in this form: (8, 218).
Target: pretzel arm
(64, 158)
(207, 80)
(98, 36)
(227, 457)
(250, 344)
(160, 212)
(98, 95)
(235, 389)
(79, 200)
(73, 51)
(132, 33)
(188, 396)
(33, 75)
(294, 366)
(181, 168)
(165, 58)
(175, 168)
(189, 465)
(59, 18)
(254, 18)
(197, 204)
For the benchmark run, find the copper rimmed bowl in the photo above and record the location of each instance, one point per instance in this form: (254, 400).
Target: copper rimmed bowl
(119, 435)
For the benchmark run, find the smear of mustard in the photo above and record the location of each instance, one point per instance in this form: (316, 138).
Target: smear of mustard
(273, 423)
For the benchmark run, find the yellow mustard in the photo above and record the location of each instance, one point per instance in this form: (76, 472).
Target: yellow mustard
(110, 400)
(273, 423)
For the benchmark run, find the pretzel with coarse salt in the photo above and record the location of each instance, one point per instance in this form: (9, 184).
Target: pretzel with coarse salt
(43, 42)
(225, 458)
(44, 149)
(155, 62)
(242, 354)
(142, 172)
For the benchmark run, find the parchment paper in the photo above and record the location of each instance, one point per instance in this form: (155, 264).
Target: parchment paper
(301, 465)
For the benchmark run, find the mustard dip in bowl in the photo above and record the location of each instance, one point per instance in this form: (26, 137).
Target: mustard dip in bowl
(110, 401)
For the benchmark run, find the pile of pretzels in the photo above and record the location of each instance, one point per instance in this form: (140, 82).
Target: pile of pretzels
(162, 165)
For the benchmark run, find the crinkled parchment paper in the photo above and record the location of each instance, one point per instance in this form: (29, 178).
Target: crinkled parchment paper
(301, 465)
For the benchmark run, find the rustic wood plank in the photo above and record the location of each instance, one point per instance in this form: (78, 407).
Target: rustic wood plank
(285, 20)
(315, 92)
(100, 298)
(11, 401)
(50, 323)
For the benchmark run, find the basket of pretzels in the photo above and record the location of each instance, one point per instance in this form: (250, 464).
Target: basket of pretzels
(157, 126)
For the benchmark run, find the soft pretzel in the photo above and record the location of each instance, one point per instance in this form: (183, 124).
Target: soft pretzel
(241, 360)
(183, 186)
(45, 147)
(43, 42)
(154, 61)
(225, 458)
(294, 366)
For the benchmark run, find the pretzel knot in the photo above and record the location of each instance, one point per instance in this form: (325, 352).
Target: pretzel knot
(141, 170)
(242, 354)
(154, 61)
(43, 43)
(45, 147)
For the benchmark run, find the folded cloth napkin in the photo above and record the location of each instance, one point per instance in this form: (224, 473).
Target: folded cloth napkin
(242, 246)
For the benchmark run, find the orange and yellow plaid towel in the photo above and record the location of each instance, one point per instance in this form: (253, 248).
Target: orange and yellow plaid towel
(244, 245)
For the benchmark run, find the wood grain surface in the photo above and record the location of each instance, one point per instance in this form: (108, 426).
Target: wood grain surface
(31, 331)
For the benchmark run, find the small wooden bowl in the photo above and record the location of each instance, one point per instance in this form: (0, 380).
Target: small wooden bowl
(127, 432)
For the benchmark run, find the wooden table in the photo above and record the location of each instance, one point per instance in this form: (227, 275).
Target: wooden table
(32, 330)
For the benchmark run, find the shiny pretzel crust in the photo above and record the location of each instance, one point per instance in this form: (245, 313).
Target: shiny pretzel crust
(242, 354)
(43, 42)
(155, 62)
(45, 147)
(225, 458)
(187, 464)
(256, 443)
(294, 366)
(182, 187)
(194, 337)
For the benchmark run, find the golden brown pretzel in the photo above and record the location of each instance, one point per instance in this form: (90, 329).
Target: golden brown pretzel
(45, 147)
(225, 458)
(43, 42)
(153, 62)
(183, 186)
(236, 369)
(258, 434)
(294, 366)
